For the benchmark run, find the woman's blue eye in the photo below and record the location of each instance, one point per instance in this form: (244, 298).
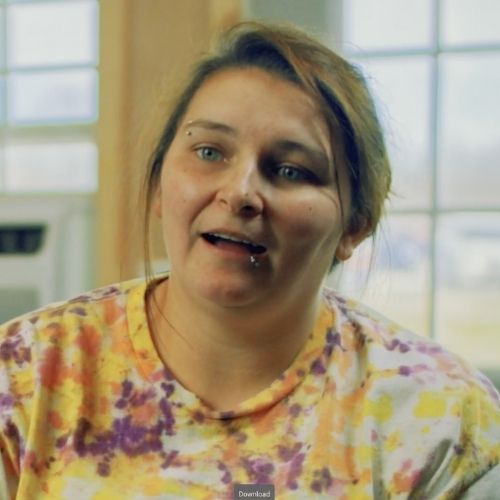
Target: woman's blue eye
(208, 154)
(292, 173)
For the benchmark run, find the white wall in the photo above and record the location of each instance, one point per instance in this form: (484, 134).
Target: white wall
(63, 266)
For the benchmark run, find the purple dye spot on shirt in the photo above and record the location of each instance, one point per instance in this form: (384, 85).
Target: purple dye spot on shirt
(170, 457)
(13, 329)
(258, 470)
(12, 432)
(326, 477)
(287, 453)
(168, 388)
(6, 401)
(226, 477)
(316, 486)
(317, 367)
(198, 417)
(80, 311)
(103, 469)
(121, 403)
(169, 419)
(296, 468)
(404, 370)
(330, 336)
(226, 415)
(327, 350)
(83, 427)
(127, 387)
(61, 441)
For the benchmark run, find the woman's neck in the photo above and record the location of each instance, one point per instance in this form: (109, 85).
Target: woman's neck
(225, 355)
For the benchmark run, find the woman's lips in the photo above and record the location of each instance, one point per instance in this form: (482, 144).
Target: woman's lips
(233, 242)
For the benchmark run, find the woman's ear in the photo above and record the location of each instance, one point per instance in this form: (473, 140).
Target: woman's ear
(350, 240)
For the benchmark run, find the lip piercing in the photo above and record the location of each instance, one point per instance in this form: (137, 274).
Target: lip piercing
(254, 261)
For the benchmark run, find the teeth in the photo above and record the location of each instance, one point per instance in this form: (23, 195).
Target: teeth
(252, 247)
(232, 238)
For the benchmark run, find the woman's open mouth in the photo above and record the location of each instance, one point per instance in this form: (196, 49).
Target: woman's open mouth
(232, 242)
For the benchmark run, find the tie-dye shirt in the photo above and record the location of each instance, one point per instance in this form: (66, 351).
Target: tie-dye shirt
(366, 410)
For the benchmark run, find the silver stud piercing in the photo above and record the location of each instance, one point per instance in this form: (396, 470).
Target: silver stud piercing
(253, 260)
(188, 132)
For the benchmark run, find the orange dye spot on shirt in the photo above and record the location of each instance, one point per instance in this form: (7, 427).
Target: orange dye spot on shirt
(112, 311)
(55, 419)
(404, 479)
(143, 413)
(50, 367)
(89, 340)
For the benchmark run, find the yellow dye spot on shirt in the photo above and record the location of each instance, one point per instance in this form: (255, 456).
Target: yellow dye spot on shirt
(380, 409)
(429, 405)
(392, 441)
(364, 453)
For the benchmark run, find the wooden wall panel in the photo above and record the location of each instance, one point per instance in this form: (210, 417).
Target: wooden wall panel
(146, 50)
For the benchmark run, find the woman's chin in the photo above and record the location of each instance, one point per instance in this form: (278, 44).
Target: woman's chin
(230, 293)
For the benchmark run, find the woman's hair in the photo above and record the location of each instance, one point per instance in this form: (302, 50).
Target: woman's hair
(335, 85)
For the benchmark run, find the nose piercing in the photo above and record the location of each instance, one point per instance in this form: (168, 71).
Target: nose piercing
(254, 261)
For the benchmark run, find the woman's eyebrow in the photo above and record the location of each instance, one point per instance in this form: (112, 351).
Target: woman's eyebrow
(210, 125)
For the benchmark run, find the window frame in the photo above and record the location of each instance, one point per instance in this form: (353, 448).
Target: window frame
(38, 133)
(435, 52)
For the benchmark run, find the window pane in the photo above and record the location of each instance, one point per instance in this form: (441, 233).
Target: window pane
(468, 312)
(52, 33)
(51, 167)
(401, 88)
(58, 96)
(470, 21)
(2, 101)
(2, 38)
(386, 24)
(397, 285)
(469, 158)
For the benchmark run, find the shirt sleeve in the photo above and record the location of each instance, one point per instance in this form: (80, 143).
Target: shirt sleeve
(473, 471)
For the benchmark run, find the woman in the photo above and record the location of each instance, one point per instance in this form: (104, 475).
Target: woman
(237, 367)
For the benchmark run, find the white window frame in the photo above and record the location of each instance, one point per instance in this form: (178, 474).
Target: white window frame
(434, 211)
(73, 131)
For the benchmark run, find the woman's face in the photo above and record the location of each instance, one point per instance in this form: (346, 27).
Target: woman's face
(251, 172)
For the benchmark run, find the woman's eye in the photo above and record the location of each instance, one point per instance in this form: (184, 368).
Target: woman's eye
(294, 174)
(208, 154)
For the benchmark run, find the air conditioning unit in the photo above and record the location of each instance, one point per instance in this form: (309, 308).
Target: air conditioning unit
(46, 250)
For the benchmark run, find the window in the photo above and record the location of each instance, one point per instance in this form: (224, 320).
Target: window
(435, 66)
(48, 95)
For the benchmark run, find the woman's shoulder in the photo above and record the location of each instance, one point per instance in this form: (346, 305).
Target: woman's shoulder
(408, 384)
(78, 305)
(396, 356)
(63, 322)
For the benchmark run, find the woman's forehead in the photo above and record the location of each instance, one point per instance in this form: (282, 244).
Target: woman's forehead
(242, 98)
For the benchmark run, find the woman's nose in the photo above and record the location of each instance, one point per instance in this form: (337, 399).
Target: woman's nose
(240, 191)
